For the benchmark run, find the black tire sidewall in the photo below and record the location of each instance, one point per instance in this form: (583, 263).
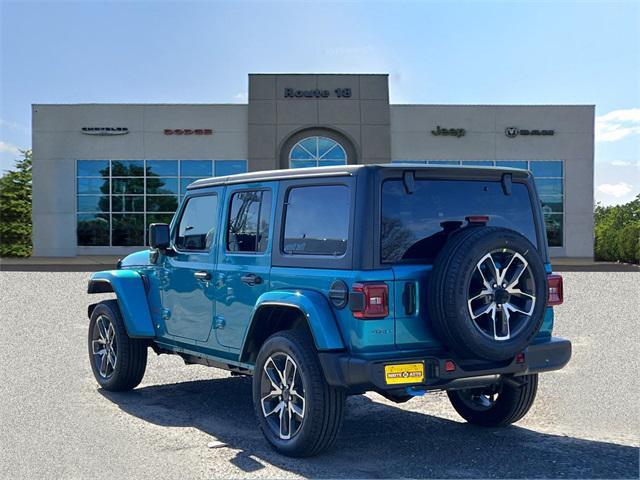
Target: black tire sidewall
(120, 377)
(284, 343)
(460, 332)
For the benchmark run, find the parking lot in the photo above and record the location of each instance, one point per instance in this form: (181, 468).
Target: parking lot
(57, 424)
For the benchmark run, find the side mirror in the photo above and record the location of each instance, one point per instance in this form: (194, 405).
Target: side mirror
(159, 236)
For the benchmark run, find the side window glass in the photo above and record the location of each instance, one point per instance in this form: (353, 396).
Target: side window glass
(317, 220)
(197, 228)
(248, 228)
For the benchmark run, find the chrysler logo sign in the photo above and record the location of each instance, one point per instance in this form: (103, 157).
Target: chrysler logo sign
(513, 132)
(105, 130)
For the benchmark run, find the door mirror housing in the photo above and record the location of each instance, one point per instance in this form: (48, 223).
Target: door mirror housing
(159, 236)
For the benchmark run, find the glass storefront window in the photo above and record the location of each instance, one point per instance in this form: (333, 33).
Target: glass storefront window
(230, 167)
(162, 168)
(116, 200)
(93, 229)
(93, 168)
(127, 168)
(162, 186)
(196, 168)
(546, 169)
(443, 162)
(93, 185)
(92, 203)
(512, 164)
(127, 186)
(127, 229)
(317, 152)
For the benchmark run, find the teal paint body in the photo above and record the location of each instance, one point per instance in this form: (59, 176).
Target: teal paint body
(213, 319)
(132, 299)
(315, 308)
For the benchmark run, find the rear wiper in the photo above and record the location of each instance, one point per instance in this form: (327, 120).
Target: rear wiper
(507, 180)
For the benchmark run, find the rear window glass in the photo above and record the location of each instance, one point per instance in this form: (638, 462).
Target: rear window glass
(317, 220)
(415, 226)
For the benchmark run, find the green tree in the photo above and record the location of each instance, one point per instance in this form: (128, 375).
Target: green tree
(617, 232)
(15, 209)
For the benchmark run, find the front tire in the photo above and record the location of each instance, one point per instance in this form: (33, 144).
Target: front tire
(118, 362)
(299, 413)
(496, 406)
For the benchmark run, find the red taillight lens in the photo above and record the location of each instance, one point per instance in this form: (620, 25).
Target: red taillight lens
(449, 366)
(372, 300)
(556, 295)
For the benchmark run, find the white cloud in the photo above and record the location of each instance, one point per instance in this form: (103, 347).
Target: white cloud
(618, 124)
(624, 163)
(9, 148)
(617, 190)
(241, 97)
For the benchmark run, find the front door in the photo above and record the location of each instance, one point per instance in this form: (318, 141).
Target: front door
(244, 260)
(188, 304)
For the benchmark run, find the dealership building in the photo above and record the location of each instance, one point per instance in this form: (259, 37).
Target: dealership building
(103, 172)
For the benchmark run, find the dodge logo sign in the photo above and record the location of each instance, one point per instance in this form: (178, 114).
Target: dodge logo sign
(188, 131)
(105, 130)
(513, 132)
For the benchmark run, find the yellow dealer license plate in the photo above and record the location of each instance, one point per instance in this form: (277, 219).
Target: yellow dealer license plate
(404, 373)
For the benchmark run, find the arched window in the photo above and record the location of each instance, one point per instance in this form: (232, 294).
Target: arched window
(317, 152)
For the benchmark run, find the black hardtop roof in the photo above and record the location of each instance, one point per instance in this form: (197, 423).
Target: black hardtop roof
(337, 171)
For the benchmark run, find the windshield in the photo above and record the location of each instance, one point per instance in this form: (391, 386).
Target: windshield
(415, 227)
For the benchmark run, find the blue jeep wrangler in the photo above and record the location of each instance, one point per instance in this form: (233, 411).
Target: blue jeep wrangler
(335, 281)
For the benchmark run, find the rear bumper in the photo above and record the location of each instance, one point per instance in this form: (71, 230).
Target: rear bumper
(359, 375)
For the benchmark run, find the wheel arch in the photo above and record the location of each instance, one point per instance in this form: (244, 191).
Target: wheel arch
(285, 310)
(131, 294)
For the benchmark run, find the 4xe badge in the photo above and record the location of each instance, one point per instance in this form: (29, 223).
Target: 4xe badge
(513, 132)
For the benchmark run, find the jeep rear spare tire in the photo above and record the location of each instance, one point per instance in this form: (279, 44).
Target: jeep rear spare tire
(487, 293)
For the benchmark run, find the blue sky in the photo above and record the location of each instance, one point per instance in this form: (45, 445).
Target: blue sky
(451, 52)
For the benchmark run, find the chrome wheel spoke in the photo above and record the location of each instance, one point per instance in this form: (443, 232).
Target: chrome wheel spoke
(502, 289)
(104, 364)
(290, 370)
(285, 424)
(270, 411)
(513, 308)
(504, 325)
(102, 330)
(282, 401)
(98, 347)
(277, 381)
(482, 310)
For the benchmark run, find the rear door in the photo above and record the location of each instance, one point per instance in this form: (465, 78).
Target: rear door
(416, 225)
(244, 259)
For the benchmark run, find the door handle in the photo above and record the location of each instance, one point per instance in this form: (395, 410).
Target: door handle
(202, 275)
(251, 279)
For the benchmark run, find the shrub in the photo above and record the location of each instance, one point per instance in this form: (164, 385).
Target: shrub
(15, 209)
(617, 232)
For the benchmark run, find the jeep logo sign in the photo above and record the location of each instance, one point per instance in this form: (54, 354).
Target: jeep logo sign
(105, 130)
(451, 132)
(513, 132)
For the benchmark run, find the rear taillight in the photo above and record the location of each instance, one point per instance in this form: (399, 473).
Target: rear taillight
(369, 300)
(556, 295)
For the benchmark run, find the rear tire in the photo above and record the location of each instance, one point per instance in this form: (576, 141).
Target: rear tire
(511, 402)
(299, 413)
(118, 362)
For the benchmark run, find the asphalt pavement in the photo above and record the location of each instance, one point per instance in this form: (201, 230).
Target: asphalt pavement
(197, 422)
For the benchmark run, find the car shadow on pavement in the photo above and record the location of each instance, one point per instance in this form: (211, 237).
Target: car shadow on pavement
(378, 440)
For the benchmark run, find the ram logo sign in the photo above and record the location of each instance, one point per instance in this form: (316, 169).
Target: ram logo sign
(513, 132)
